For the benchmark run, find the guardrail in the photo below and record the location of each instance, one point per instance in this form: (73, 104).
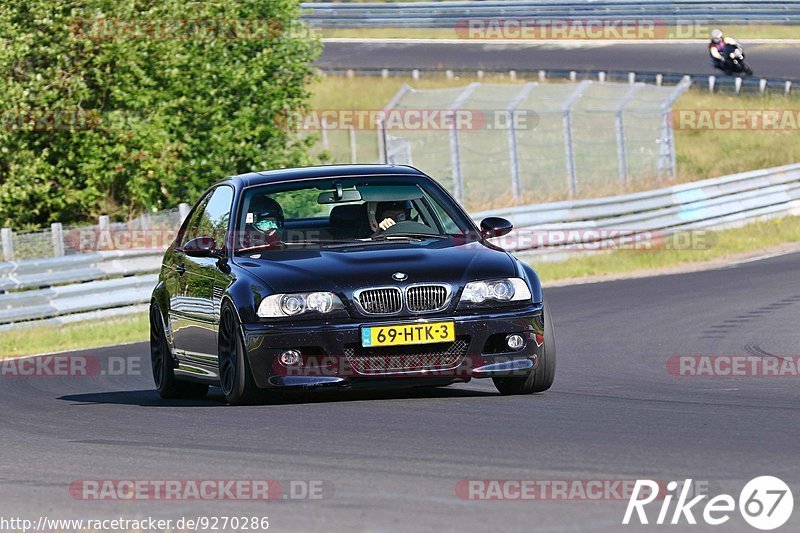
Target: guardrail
(69, 288)
(724, 84)
(59, 287)
(79, 268)
(448, 14)
(714, 203)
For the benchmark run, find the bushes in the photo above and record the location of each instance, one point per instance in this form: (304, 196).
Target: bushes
(119, 106)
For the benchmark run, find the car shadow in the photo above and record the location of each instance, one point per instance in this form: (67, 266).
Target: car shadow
(142, 398)
(215, 398)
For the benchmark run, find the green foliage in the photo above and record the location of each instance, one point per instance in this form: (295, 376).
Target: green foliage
(300, 203)
(101, 120)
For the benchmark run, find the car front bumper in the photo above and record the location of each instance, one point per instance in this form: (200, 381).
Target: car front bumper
(333, 357)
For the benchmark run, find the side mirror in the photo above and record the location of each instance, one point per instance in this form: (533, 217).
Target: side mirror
(495, 227)
(201, 247)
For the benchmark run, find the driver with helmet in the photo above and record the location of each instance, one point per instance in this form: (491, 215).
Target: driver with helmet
(388, 213)
(264, 222)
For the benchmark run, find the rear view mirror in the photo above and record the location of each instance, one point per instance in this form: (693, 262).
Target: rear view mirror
(347, 195)
(495, 227)
(201, 247)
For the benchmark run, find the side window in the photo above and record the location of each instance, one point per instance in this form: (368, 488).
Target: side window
(447, 223)
(192, 225)
(216, 216)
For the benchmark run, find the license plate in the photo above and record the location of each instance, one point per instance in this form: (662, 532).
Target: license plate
(399, 334)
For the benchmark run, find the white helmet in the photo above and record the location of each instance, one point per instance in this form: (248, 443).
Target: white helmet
(716, 36)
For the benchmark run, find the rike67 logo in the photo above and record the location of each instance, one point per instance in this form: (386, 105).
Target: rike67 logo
(765, 503)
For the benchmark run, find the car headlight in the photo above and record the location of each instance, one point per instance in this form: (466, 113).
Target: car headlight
(499, 290)
(283, 305)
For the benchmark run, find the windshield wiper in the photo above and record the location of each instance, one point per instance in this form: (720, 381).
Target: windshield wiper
(333, 242)
(260, 247)
(409, 235)
(282, 244)
(328, 241)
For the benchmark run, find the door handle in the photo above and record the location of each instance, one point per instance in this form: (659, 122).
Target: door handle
(180, 269)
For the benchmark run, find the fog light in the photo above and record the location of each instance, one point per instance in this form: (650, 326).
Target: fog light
(515, 342)
(290, 357)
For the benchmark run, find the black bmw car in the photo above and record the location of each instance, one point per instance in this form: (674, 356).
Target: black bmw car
(343, 276)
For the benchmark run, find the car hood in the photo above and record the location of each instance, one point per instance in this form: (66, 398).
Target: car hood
(344, 270)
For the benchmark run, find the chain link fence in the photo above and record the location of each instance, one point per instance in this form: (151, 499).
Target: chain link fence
(62, 240)
(536, 142)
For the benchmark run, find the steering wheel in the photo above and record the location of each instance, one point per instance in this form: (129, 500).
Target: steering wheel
(406, 226)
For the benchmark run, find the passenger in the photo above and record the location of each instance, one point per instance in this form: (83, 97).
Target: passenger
(264, 222)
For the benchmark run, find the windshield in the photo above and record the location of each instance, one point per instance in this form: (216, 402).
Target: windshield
(346, 211)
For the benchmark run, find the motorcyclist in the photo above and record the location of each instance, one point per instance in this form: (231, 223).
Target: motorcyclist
(719, 49)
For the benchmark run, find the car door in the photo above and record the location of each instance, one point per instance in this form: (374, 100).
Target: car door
(200, 283)
(175, 266)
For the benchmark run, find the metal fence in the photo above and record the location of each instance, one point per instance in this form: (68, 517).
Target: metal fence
(360, 145)
(537, 142)
(448, 14)
(62, 240)
(722, 84)
(718, 203)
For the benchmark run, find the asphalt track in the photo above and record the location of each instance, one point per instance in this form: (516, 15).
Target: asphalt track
(767, 60)
(391, 461)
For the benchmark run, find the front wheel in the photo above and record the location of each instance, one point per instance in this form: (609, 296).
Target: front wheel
(235, 375)
(163, 364)
(540, 379)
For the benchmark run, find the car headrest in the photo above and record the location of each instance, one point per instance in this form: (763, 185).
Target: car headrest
(346, 214)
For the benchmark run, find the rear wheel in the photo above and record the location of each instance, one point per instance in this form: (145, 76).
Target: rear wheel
(163, 367)
(540, 379)
(235, 375)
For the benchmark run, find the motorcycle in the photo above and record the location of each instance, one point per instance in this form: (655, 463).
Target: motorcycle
(733, 62)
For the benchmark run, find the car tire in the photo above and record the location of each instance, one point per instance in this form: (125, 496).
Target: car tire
(540, 379)
(162, 362)
(235, 375)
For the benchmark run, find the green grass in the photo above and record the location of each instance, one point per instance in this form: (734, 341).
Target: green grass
(740, 32)
(709, 246)
(80, 335)
(706, 153)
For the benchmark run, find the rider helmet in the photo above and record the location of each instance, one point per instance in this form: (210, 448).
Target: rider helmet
(267, 215)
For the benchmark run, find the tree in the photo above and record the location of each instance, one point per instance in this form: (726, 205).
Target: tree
(117, 106)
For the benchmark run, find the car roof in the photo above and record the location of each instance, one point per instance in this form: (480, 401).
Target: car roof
(324, 171)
